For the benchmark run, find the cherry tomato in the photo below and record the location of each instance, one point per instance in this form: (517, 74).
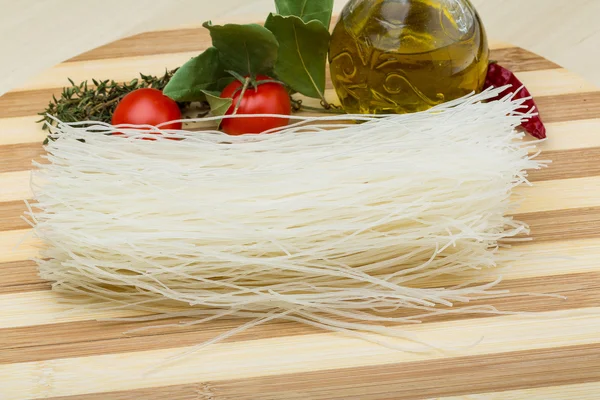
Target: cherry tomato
(147, 107)
(266, 98)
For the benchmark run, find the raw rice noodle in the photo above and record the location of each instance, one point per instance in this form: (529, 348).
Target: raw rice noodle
(343, 222)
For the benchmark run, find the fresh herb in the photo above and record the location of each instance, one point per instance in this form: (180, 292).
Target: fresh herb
(218, 105)
(97, 101)
(248, 49)
(291, 47)
(199, 74)
(302, 54)
(307, 10)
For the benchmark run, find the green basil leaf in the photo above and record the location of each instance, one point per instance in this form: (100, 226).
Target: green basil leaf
(248, 49)
(307, 10)
(218, 105)
(198, 74)
(302, 53)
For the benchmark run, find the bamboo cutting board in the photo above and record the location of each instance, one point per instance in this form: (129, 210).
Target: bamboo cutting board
(47, 353)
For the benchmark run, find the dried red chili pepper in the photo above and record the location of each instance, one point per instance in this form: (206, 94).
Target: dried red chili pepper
(499, 76)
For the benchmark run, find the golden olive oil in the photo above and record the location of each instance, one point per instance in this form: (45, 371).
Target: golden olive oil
(399, 56)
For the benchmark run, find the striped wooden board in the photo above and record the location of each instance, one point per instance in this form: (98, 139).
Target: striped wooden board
(47, 353)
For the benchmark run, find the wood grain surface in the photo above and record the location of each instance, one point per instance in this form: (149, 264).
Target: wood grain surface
(47, 351)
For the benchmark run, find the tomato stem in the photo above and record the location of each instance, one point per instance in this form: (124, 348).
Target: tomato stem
(239, 102)
(236, 75)
(257, 83)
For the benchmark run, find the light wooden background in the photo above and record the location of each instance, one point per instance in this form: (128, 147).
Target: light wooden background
(36, 34)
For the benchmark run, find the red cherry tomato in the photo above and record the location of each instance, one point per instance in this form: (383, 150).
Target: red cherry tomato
(147, 107)
(266, 98)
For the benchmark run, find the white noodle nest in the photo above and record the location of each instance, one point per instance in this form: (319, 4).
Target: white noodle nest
(344, 226)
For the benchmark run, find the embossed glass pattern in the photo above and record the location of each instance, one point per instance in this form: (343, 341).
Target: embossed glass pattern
(398, 56)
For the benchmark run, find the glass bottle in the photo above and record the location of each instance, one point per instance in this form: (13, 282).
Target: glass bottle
(399, 56)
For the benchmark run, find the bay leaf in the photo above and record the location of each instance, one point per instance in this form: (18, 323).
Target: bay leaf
(248, 49)
(306, 10)
(302, 53)
(198, 74)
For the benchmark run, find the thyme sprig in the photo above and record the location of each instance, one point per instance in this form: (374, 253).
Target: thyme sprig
(97, 101)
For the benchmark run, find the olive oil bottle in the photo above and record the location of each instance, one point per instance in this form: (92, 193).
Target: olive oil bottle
(400, 56)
